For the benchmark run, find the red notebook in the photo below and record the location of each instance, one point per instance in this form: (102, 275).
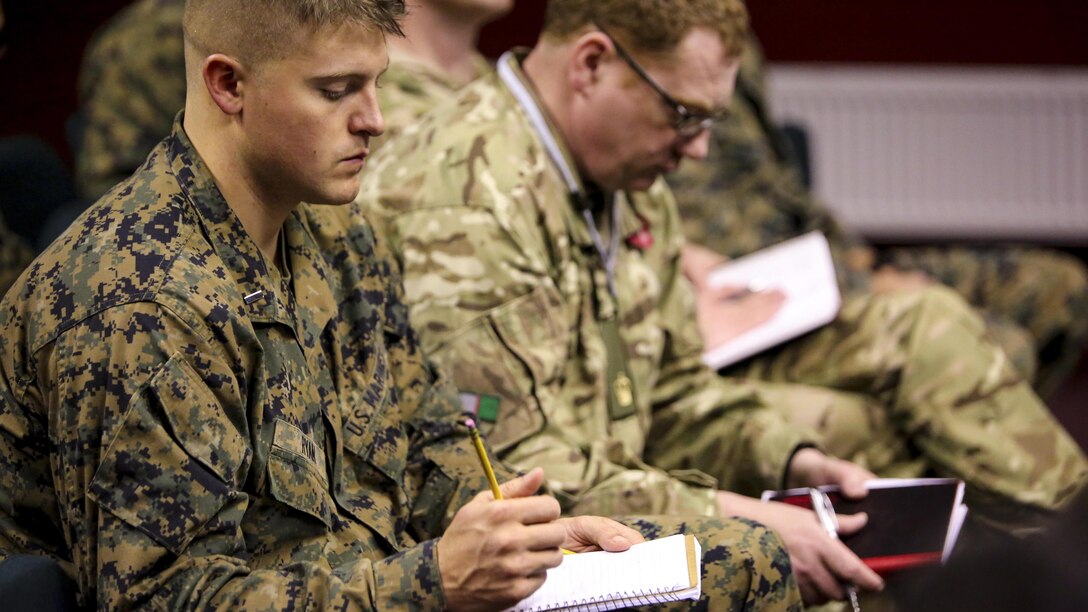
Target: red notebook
(912, 522)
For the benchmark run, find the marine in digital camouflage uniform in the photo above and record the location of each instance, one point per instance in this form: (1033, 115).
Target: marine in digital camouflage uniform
(191, 423)
(746, 195)
(237, 436)
(131, 85)
(508, 298)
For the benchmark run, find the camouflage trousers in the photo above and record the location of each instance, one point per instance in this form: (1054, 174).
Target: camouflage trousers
(1037, 293)
(909, 383)
(745, 566)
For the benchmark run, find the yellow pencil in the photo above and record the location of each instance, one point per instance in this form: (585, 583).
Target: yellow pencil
(478, 442)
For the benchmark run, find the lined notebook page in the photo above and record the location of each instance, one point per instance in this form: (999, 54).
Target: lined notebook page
(667, 569)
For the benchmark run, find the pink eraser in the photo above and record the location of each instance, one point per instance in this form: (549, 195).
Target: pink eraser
(471, 424)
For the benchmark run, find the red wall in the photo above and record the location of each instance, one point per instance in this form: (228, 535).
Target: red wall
(38, 73)
(1028, 32)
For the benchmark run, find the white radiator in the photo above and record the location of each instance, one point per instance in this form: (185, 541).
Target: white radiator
(932, 152)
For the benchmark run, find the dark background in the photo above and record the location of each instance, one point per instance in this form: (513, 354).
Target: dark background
(38, 73)
(47, 37)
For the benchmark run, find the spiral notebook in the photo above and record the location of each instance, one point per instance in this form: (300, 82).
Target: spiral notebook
(658, 571)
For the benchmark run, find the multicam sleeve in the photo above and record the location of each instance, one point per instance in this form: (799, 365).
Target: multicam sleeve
(444, 470)
(153, 451)
(700, 419)
(488, 313)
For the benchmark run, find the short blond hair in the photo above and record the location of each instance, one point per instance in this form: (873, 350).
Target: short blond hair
(255, 31)
(650, 26)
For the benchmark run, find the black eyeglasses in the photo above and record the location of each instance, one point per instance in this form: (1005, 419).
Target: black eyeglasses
(687, 123)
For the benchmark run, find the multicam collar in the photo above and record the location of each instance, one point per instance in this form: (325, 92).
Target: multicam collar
(509, 70)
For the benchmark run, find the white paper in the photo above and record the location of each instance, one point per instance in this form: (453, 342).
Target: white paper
(802, 269)
(654, 571)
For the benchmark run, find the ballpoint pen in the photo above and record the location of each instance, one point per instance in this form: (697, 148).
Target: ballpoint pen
(821, 503)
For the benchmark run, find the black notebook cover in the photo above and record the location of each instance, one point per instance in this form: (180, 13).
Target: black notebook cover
(911, 522)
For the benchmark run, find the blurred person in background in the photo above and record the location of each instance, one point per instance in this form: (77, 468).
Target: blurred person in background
(747, 194)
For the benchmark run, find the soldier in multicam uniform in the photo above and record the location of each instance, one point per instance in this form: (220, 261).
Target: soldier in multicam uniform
(131, 85)
(506, 288)
(210, 397)
(558, 307)
(747, 195)
(436, 57)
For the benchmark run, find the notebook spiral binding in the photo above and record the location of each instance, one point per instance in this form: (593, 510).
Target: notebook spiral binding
(610, 601)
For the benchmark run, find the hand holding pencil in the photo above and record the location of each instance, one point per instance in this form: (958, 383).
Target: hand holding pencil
(495, 554)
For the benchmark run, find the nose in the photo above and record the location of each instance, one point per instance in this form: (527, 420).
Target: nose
(697, 146)
(367, 118)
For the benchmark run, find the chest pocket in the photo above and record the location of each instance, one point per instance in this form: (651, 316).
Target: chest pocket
(297, 472)
(375, 448)
(516, 353)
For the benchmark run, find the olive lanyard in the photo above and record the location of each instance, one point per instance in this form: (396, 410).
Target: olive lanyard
(621, 391)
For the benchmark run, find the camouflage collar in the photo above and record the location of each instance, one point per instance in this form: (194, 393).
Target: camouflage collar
(519, 86)
(259, 288)
(413, 68)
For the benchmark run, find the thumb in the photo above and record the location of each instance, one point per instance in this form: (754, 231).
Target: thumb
(523, 486)
(852, 523)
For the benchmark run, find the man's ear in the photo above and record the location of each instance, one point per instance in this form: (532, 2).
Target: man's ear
(223, 78)
(589, 53)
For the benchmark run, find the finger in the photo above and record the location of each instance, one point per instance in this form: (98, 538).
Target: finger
(822, 583)
(727, 292)
(524, 510)
(848, 568)
(532, 562)
(523, 486)
(585, 533)
(851, 523)
(852, 478)
(542, 537)
(523, 587)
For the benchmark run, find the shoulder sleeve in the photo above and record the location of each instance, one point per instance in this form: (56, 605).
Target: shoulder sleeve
(688, 394)
(148, 419)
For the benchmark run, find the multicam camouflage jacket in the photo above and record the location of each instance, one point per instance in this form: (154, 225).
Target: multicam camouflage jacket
(131, 85)
(184, 426)
(413, 86)
(510, 298)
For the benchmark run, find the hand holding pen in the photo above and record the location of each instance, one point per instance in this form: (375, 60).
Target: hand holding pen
(826, 513)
